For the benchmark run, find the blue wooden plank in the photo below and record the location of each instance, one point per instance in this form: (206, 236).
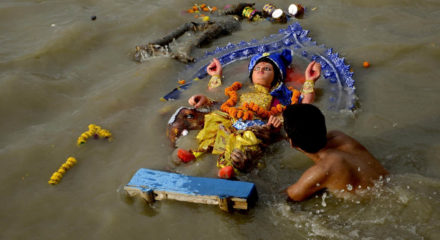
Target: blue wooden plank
(147, 180)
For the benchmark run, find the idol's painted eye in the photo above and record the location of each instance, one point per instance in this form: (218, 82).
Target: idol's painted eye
(190, 116)
(265, 69)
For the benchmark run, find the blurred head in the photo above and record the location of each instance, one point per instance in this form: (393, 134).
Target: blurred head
(305, 127)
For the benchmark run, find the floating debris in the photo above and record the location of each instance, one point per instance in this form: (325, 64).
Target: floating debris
(197, 8)
(268, 10)
(58, 175)
(279, 16)
(205, 19)
(296, 10)
(94, 131)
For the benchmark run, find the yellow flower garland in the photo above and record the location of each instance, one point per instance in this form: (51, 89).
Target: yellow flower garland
(95, 131)
(58, 175)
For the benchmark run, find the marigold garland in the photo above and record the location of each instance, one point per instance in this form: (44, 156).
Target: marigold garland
(248, 110)
(295, 95)
(95, 131)
(58, 175)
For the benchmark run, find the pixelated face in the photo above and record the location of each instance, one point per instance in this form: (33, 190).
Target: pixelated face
(263, 74)
(184, 119)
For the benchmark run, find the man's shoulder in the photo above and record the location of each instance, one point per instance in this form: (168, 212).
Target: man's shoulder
(330, 157)
(339, 140)
(336, 134)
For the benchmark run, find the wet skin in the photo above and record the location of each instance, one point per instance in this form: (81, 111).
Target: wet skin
(343, 164)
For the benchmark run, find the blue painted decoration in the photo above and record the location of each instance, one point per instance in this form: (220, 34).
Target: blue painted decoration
(152, 182)
(295, 38)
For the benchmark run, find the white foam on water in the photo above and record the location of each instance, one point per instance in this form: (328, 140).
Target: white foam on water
(386, 211)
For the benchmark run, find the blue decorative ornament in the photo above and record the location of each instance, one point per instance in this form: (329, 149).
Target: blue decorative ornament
(295, 39)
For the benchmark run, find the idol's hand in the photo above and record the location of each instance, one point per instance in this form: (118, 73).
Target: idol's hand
(275, 122)
(214, 68)
(313, 71)
(198, 101)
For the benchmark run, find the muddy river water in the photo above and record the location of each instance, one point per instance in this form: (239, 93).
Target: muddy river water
(60, 70)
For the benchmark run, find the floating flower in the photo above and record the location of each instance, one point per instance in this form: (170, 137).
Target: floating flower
(58, 175)
(95, 131)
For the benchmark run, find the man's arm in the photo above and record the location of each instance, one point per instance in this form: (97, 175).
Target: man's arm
(310, 182)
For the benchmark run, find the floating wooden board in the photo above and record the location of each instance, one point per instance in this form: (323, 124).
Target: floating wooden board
(158, 185)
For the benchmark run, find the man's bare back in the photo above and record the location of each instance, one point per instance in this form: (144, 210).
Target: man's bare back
(341, 165)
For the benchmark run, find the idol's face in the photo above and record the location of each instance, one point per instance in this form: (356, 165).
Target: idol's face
(263, 74)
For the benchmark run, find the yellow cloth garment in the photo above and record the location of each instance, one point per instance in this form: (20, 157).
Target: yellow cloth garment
(244, 141)
(222, 138)
(208, 134)
(219, 135)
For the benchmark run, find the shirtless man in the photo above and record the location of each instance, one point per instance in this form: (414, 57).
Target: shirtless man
(342, 164)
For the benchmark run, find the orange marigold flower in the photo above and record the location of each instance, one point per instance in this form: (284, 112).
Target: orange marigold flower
(230, 103)
(295, 96)
(279, 107)
(227, 90)
(234, 113)
(237, 85)
(239, 113)
(245, 115)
